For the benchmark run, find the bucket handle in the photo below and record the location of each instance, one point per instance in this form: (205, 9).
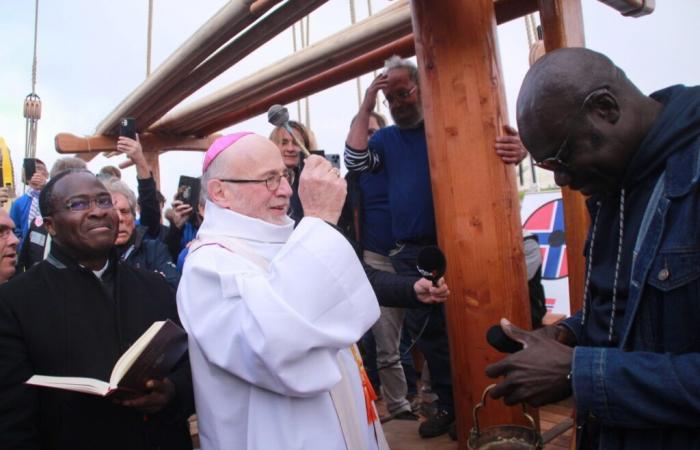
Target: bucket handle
(482, 403)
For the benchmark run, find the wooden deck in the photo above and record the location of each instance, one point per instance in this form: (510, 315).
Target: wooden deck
(403, 435)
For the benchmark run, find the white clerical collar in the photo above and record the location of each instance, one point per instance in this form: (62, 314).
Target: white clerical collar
(224, 222)
(99, 273)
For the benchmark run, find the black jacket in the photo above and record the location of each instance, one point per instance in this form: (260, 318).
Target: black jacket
(59, 319)
(151, 255)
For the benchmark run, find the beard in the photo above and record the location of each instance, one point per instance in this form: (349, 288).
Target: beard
(407, 116)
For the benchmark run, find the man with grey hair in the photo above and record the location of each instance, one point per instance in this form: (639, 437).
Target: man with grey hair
(273, 311)
(402, 151)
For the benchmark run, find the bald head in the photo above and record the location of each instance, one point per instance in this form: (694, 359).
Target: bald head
(256, 159)
(555, 87)
(577, 110)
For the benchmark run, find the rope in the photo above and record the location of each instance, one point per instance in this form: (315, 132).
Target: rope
(590, 265)
(149, 34)
(358, 83)
(617, 265)
(306, 99)
(36, 29)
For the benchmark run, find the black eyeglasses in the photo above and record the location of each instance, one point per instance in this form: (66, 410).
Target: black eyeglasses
(83, 203)
(400, 95)
(559, 162)
(272, 182)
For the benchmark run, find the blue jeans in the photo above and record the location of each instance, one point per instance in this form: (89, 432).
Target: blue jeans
(433, 341)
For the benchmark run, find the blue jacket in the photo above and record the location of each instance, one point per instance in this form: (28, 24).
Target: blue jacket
(643, 391)
(19, 212)
(151, 255)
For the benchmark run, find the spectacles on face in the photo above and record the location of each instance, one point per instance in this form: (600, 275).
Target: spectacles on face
(272, 182)
(560, 161)
(83, 203)
(400, 95)
(5, 231)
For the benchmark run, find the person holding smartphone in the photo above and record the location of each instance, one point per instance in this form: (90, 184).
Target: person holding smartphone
(25, 209)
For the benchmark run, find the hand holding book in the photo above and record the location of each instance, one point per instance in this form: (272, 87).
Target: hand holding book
(160, 394)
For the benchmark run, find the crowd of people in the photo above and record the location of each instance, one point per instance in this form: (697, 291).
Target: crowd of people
(299, 291)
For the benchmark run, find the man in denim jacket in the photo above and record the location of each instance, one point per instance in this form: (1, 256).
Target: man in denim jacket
(631, 356)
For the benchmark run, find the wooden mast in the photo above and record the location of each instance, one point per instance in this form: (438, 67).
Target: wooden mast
(475, 195)
(562, 25)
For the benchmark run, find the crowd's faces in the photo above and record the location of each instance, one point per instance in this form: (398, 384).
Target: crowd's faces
(8, 247)
(127, 222)
(87, 234)
(255, 199)
(291, 153)
(402, 94)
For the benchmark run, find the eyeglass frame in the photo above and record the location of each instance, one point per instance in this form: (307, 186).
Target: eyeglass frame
(558, 161)
(90, 201)
(403, 95)
(287, 174)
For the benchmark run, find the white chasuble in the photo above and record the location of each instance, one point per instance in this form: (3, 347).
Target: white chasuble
(271, 312)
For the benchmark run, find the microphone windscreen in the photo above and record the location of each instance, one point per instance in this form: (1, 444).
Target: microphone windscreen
(277, 115)
(499, 340)
(431, 262)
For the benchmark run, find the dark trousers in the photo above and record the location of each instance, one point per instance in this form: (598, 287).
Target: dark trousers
(433, 341)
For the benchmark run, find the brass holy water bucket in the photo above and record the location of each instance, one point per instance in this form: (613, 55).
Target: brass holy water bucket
(503, 437)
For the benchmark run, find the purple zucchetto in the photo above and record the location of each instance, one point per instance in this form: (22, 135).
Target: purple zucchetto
(221, 144)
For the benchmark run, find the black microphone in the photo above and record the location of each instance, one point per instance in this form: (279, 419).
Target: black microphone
(499, 340)
(278, 116)
(431, 263)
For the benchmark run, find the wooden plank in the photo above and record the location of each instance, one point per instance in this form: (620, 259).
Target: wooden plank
(477, 216)
(390, 24)
(231, 19)
(347, 71)
(255, 36)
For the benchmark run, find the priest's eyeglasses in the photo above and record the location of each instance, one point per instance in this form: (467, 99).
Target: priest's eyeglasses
(561, 160)
(272, 182)
(83, 203)
(400, 95)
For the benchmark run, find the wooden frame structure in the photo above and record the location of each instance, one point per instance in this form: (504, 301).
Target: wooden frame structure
(464, 104)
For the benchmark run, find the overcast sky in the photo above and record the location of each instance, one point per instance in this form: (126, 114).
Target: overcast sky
(92, 53)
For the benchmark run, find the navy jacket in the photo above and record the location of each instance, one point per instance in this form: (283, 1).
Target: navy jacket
(643, 390)
(151, 255)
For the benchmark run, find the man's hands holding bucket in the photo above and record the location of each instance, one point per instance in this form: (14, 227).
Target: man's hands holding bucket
(538, 374)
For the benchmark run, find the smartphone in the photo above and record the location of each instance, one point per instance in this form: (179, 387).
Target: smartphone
(29, 167)
(332, 158)
(127, 127)
(188, 191)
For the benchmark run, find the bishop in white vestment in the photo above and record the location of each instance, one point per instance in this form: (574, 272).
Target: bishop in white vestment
(272, 311)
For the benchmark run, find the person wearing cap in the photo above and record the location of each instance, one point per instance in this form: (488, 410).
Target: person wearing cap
(271, 347)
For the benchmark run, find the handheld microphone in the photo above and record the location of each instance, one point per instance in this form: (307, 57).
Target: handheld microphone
(431, 263)
(499, 340)
(278, 116)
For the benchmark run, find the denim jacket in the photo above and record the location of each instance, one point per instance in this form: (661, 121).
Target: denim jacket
(645, 394)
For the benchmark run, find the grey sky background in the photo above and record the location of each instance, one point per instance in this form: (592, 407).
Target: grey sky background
(92, 54)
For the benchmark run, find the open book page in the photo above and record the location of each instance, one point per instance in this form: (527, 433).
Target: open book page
(133, 352)
(153, 356)
(78, 384)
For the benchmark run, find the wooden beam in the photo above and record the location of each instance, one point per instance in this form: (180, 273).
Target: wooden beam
(478, 216)
(373, 60)
(231, 19)
(382, 28)
(69, 143)
(562, 25)
(255, 36)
